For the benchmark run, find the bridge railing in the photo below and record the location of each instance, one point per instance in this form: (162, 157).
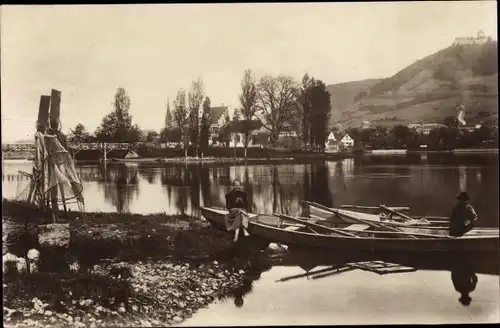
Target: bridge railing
(81, 146)
(100, 146)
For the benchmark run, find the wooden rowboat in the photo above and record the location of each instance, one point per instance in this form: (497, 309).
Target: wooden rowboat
(272, 229)
(324, 212)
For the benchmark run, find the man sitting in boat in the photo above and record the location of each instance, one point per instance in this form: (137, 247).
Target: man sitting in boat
(462, 217)
(237, 204)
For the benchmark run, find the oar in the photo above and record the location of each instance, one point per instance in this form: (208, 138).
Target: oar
(337, 271)
(334, 267)
(313, 225)
(347, 231)
(390, 210)
(395, 208)
(376, 225)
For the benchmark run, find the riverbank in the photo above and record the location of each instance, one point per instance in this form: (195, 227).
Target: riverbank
(121, 270)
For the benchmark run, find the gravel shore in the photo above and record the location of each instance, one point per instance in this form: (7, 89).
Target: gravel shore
(128, 270)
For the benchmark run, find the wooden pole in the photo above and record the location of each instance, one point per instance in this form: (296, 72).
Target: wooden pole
(53, 192)
(61, 189)
(104, 158)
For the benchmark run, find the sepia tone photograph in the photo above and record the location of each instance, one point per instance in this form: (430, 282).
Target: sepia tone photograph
(249, 164)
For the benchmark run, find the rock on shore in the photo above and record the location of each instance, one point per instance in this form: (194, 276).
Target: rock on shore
(162, 294)
(165, 267)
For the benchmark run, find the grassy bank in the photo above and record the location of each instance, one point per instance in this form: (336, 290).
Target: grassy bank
(122, 270)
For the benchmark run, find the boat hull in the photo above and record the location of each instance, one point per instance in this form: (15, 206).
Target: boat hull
(262, 226)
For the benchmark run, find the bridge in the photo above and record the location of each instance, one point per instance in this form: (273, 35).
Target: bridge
(72, 147)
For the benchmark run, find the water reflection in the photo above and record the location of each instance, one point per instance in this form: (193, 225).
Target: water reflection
(426, 189)
(121, 186)
(463, 268)
(275, 288)
(464, 280)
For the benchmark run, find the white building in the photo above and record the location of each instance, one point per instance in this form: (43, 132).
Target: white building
(347, 141)
(218, 120)
(480, 38)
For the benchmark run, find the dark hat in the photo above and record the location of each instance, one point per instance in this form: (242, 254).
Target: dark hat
(463, 196)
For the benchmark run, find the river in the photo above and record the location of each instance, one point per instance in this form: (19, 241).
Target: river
(427, 184)
(428, 188)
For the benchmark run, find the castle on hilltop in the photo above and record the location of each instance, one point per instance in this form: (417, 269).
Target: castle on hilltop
(481, 38)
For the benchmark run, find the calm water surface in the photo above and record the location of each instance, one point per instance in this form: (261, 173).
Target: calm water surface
(427, 185)
(355, 297)
(428, 188)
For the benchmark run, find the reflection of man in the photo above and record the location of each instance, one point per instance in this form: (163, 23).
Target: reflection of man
(464, 281)
(237, 204)
(462, 217)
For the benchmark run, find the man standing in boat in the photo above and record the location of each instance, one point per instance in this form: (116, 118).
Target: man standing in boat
(237, 204)
(462, 217)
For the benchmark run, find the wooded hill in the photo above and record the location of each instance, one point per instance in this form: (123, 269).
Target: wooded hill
(426, 91)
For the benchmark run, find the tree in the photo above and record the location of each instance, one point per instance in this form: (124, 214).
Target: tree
(451, 122)
(277, 101)
(320, 113)
(206, 119)
(78, 134)
(248, 101)
(168, 116)
(305, 108)
(195, 100)
(180, 116)
(314, 111)
(402, 134)
(150, 135)
(117, 125)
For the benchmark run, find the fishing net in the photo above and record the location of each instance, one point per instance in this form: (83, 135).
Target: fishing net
(53, 176)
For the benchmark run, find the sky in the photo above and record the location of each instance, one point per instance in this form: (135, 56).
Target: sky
(87, 52)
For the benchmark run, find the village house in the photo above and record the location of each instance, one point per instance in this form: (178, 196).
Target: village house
(218, 121)
(287, 131)
(365, 125)
(469, 127)
(425, 128)
(237, 137)
(332, 145)
(347, 141)
(335, 143)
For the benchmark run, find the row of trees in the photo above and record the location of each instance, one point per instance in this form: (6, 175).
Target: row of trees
(400, 136)
(274, 102)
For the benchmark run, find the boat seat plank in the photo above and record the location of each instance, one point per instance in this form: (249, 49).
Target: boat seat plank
(357, 227)
(292, 228)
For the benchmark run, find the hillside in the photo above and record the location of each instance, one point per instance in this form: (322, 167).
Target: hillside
(342, 95)
(426, 91)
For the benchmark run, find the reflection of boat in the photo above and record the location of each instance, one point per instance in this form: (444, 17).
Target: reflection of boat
(480, 262)
(271, 228)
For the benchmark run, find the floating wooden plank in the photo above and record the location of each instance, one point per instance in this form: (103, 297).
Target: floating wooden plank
(381, 267)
